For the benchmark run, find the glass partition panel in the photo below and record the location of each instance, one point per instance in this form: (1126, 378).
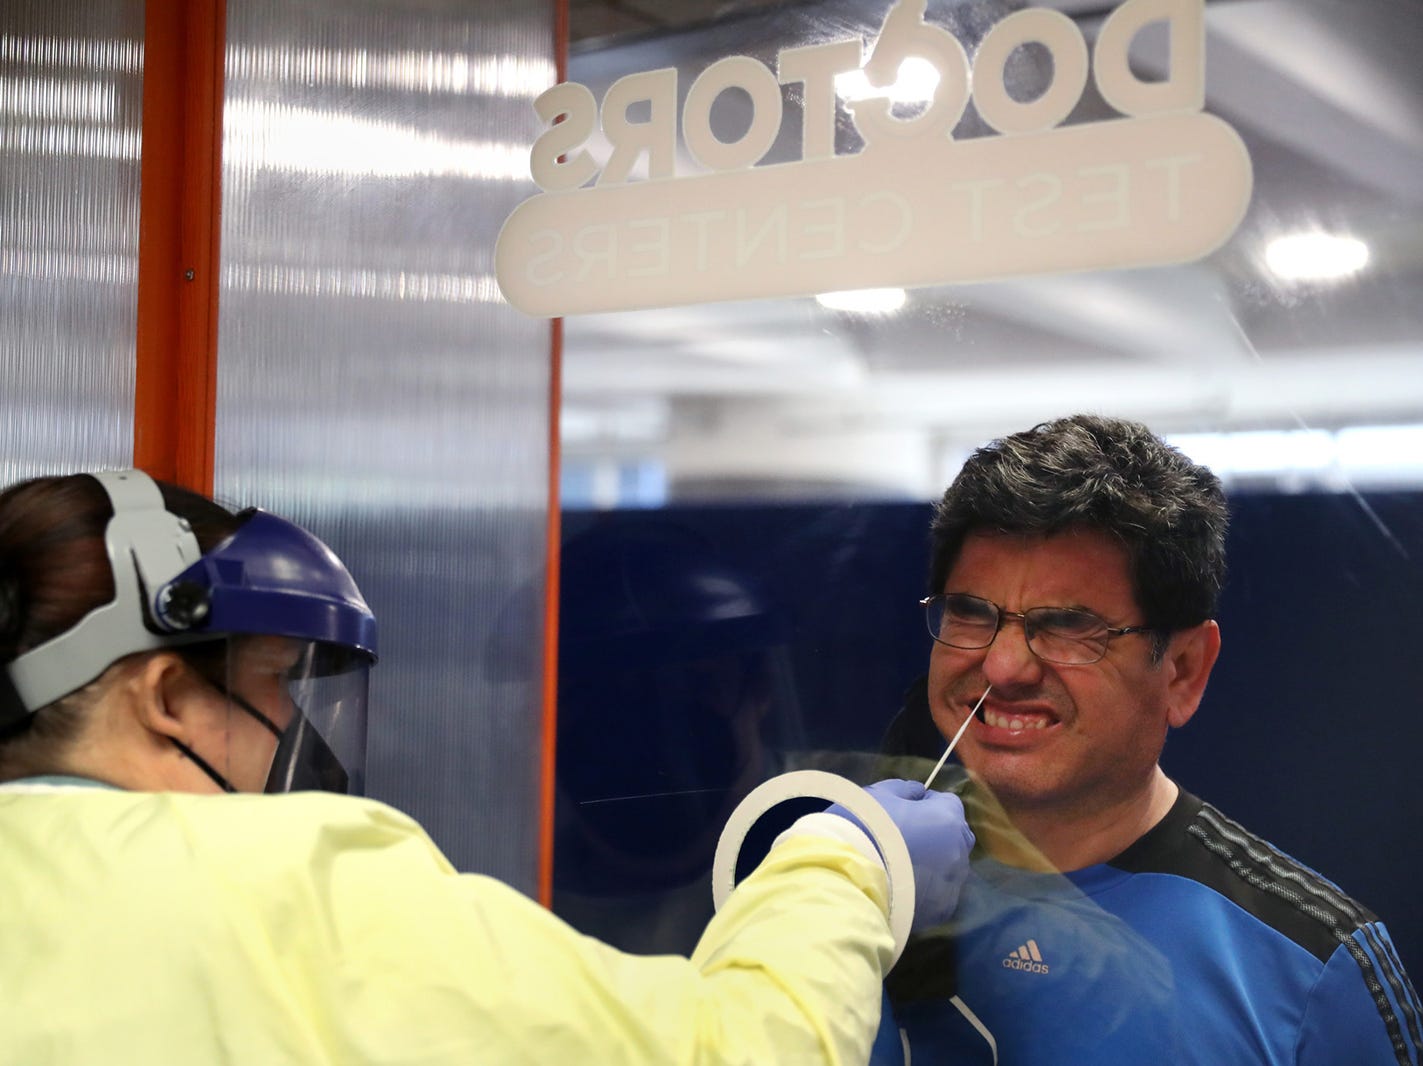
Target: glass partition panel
(372, 387)
(772, 463)
(71, 94)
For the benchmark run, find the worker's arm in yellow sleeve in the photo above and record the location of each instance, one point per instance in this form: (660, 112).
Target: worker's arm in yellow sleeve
(437, 967)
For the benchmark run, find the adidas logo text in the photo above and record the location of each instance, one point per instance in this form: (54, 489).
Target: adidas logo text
(1027, 958)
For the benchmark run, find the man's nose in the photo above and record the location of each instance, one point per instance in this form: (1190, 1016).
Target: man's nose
(1009, 661)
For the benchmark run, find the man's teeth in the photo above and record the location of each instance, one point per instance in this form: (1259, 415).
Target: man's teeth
(1012, 721)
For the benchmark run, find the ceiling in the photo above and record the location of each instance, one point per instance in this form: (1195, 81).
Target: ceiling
(784, 397)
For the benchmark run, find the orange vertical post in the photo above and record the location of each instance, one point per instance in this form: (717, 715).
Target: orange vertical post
(179, 201)
(548, 761)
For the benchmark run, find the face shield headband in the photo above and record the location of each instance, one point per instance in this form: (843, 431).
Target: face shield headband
(270, 578)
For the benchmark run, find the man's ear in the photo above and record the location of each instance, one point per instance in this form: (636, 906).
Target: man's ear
(1190, 655)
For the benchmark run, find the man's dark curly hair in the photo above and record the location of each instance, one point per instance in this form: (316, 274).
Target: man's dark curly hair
(1105, 474)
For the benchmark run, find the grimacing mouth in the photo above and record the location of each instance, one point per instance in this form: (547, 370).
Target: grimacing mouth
(1015, 722)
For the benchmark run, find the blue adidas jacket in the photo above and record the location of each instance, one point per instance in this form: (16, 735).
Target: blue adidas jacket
(1200, 944)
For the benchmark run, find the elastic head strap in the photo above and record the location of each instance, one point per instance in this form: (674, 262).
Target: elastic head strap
(147, 547)
(12, 707)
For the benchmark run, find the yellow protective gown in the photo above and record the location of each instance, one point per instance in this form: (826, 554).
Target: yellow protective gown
(162, 928)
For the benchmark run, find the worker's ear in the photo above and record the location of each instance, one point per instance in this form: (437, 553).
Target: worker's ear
(1190, 655)
(163, 693)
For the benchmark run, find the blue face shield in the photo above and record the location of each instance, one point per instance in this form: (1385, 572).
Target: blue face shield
(299, 638)
(274, 579)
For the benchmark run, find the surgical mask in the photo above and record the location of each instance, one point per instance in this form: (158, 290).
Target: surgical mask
(305, 762)
(304, 759)
(219, 778)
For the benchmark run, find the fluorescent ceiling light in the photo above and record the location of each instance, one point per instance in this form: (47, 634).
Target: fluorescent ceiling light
(1315, 256)
(1383, 447)
(916, 81)
(1369, 452)
(864, 301)
(1259, 451)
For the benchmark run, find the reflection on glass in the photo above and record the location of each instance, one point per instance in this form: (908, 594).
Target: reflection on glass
(865, 301)
(674, 702)
(1304, 320)
(1313, 256)
(313, 141)
(916, 81)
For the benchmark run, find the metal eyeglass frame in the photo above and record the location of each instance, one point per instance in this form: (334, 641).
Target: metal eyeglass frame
(1005, 615)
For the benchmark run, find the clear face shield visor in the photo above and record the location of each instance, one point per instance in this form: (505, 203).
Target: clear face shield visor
(296, 715)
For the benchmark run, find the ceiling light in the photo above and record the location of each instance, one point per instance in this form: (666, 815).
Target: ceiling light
(863, 301)
(916, 81)
(1315, 256)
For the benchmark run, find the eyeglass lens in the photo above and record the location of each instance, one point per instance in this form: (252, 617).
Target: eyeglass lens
(1061, 635)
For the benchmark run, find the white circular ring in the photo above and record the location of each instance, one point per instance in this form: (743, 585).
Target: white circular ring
(818, 784)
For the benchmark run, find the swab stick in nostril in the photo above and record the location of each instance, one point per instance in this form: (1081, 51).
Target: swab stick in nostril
(944, 758)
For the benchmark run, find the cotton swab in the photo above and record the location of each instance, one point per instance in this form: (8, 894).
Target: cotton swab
(944, 758)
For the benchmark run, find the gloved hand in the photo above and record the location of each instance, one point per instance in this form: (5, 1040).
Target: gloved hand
(939, 842)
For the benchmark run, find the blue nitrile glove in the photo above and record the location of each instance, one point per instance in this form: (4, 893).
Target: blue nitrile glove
(939, 842)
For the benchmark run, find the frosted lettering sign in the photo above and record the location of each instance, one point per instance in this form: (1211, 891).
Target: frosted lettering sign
(1162, 183)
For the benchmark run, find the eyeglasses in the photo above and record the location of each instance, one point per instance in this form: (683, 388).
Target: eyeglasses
(1065, 636)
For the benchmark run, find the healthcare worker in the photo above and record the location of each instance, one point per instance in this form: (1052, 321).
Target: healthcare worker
(164, 662)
